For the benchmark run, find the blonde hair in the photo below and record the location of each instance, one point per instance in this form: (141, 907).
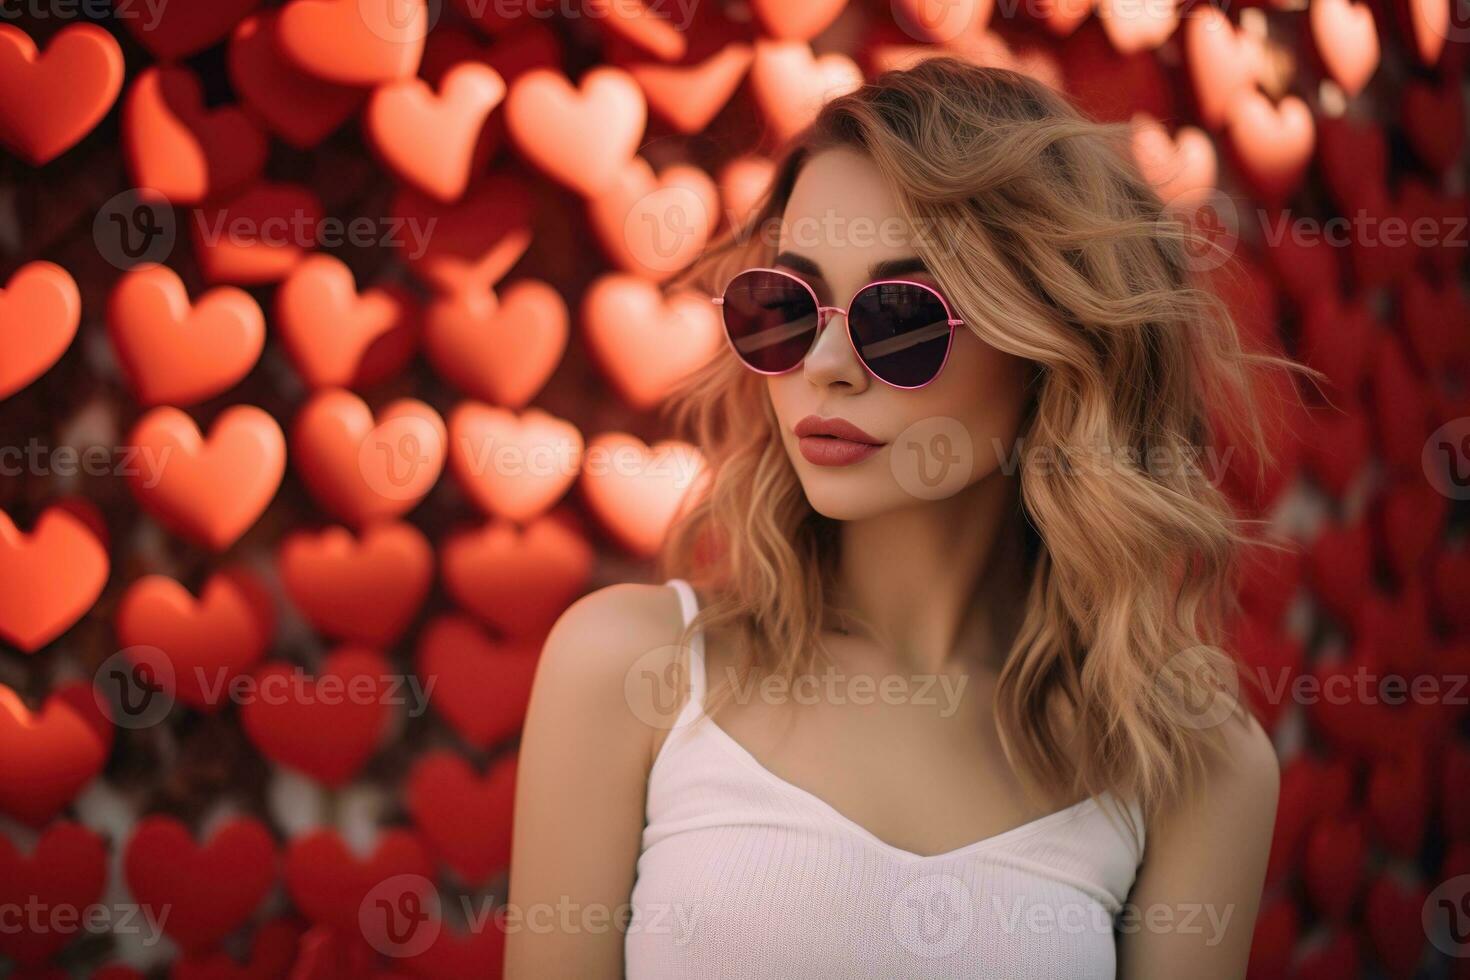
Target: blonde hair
(1055, 249)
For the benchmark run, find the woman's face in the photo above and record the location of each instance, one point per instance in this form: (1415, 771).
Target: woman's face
(841, 222)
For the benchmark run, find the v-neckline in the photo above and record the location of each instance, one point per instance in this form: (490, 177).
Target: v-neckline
(853, 827)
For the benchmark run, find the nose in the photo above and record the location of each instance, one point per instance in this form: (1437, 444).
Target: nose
(832, 361)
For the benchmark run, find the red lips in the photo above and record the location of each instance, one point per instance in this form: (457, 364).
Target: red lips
(837, 428)
(833, 442)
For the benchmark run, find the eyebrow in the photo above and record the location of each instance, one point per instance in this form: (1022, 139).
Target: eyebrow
(883, 269)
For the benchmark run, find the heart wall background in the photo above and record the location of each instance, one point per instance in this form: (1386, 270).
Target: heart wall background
(331, 346)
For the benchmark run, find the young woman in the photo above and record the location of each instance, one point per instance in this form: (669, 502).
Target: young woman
(931, 689)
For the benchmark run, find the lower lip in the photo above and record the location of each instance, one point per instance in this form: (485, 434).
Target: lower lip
(826, 451)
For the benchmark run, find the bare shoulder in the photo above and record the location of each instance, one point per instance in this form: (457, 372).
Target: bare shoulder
(1239, 788)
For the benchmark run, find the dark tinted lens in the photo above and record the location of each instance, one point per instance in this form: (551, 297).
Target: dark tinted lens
(901, 332)
(771, 320)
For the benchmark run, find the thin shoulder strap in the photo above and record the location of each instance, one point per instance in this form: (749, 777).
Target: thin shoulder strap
(689, 603)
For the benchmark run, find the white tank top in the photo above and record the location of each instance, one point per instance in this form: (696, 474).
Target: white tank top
(745, 875)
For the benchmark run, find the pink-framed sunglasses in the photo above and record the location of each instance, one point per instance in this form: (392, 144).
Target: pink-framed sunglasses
(902, 331)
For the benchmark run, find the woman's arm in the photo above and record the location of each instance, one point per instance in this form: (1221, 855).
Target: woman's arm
(1193, 908)
(580, 788)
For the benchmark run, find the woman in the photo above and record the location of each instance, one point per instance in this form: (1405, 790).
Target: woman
(930, 690)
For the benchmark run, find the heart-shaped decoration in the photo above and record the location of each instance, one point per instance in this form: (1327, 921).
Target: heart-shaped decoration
(360, 469)
(1224, 62)
(50, 577)
(55, 99)
(326, 726)
(1331, 959)
(1310, 790)
(1437, 323)
(1353, 154)
(298, 107)
(1411, 518)
(581, 137)
(67, 869)
(1454, 795)
(688, 97)
(655, 226)
(802, 21)
(40, 310)
(1339, 447)
(477, 953)
(177, 147)
(176, 30)
(1336, 338)
(175, 352)
(209, 491)
(470, 245)
(638, 491)
(1339, 567)
(328, 882)
(272, 953)
(791, 84)
(946, 22)
(1133, 27)
(515, 467)
(500, 350)
(1333, 868)
(517, 579)
(427, 139)
(646, 342)
(257, 237)
(209, 889)
(1181, 167)
(1434, 122)
(1278, 926)
(46, 757)
(1274, 142)
(355, 42)
(1347, 41)
(1401, 408)
(744, 182)
(1429, 26)
(483, 684)
(465, 819)
(1270, 577)
(1272, 658)
(1393, 912)
(365, 589)
(1449, 582)
(338, 337)
(208, 641)
(1398, 804)
(1108, 85)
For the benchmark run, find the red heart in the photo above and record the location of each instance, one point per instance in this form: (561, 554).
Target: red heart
(177, 353)
(1394, 915)
(1336, 338)
(642, 22)
(257, 237)
(299, 108)
(1434, 122)
(67, 868)
(1411, 515)
(688, 97)
(581, 137)
(427, 139)
(332, 953)
(646, 342)
(50, 577)
(790, 84)
(1182, 167)
(1333, 868)
(1394, 629)
(1310, 790)
(1454, 789)
(517, 579)
(638, 491)
(327, 729)
(46, 757)
(1449, 582)
(1354, 158)
(361, 469)
(796, 21)
(1437, 323)
(334, 334)
(1273, 142)
(328, 883)
(1284, 422)
(743, 181)
(1275, 939)
(207, 641)
(655, 226)
(499, 349)
(1271, 659)
(366, 589)
(209, 491)
(177, 147)
(40, 309)
(272, 951)
(1303, 265)
(1223, 62)
(482, 684)
(1105, 83)
(177, 30)
(56, 98)
(1347, 41)
(1134, 28)
(465, 819)
(1339, 567)
(1401, 408)
(470, 245)
(479, 953)
(1339, 448)
(211, 889)
(1398, 804)
(515, 467)
(1269, 579)
(355, 42)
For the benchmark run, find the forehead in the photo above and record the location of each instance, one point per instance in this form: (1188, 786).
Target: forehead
(842, 213)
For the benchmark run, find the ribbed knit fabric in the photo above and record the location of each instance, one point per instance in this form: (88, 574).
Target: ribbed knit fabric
(744, 875)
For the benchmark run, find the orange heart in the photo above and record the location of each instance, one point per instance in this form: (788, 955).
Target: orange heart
(1347, 41)
(52, 100)
(644, 341)
(359, 469)
(209, 491)
(655, 226)
(517, 580)
(46, 757)
(365, 589)
(40, 309)
(1132, 27)
(791, 85)
(787, 21)
(1429, 22)
(257, 237)
(471, 244)
(355, 42)
(637, 491)
(501, 351)
(466, 819)
(1181, 167)
(299, 108)
(925, 20)
(180, 149)
(1274, 142)
(208, 640)
(743, 182)
(430, 140)
(515, 467)
(483, 683)
(689, 97)
(644, 25)
(330, 329)
(1224, 62)
(176, 353)
(581, 137)
(50, 577)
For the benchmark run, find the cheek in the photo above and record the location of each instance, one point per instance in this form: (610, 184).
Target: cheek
(981, 387)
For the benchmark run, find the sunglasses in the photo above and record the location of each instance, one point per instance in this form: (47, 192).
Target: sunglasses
(901, 331)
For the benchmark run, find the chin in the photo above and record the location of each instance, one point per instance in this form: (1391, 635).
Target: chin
(850, 493)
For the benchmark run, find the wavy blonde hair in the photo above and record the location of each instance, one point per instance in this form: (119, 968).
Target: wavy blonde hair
(1053, 248)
